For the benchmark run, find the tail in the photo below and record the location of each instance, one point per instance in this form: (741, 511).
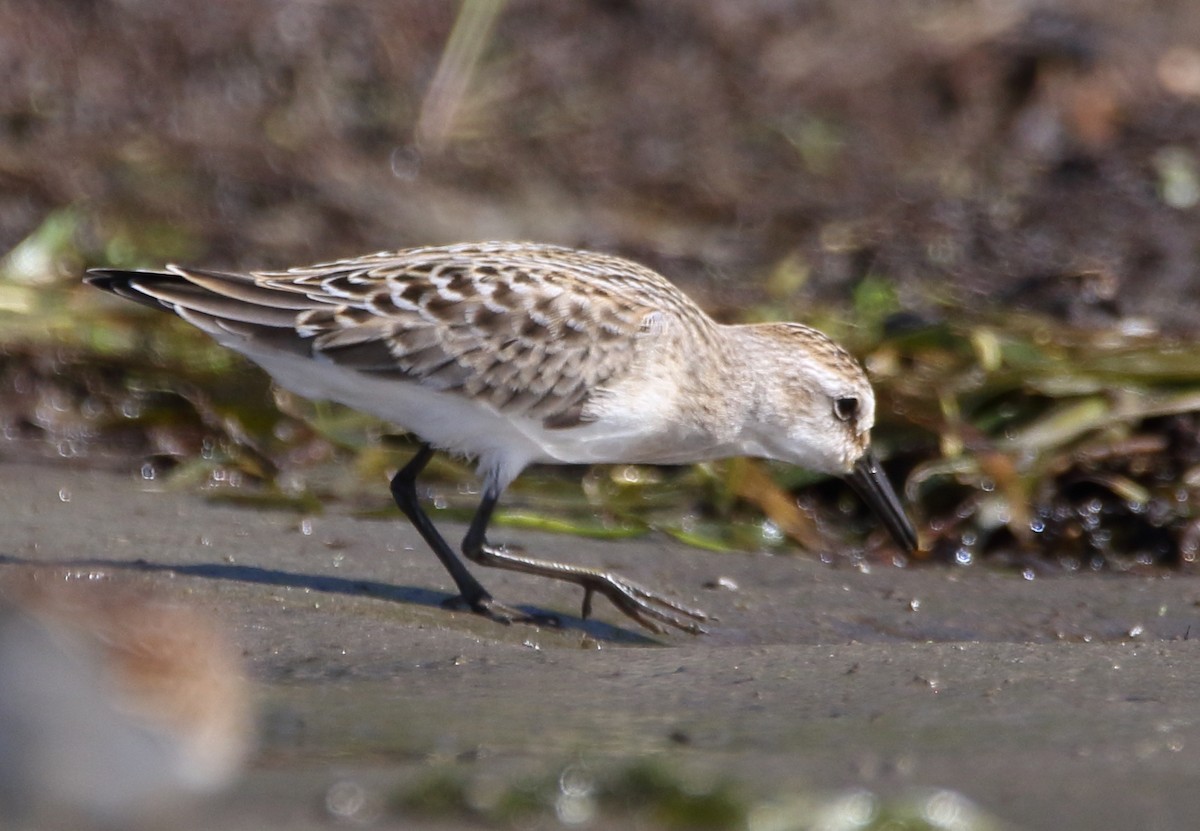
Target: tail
(222, 304)
(121, 283)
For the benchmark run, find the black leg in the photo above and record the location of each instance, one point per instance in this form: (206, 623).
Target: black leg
(476, 538)
(404, 491)
(647, 607)
(643, 605)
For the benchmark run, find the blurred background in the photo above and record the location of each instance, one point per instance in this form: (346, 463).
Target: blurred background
(994, 204)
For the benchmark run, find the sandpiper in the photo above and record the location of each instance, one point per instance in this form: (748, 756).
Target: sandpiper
(514, 353)
(118, 707)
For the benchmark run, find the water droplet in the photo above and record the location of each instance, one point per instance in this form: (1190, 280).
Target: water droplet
(405, 163)
(67, 449)
(854, 809)
(576, 780)
(64, 495)
(947, 809)
(574, 810)
(771, 533)
(348, 800)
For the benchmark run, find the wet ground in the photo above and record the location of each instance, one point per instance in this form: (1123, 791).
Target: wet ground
(1056, 703)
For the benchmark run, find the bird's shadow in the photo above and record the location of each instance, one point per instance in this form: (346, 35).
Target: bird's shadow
(255, 575)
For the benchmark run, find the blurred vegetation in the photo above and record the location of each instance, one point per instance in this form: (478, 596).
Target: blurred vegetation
(996, 207)
(1016, 437)
(984, 152)
(655, 794)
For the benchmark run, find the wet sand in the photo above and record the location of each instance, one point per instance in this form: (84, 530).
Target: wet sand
(1060, 702)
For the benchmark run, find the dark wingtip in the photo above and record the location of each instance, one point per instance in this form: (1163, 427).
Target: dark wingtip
(107, 274)
(103, 278)
(120, 282)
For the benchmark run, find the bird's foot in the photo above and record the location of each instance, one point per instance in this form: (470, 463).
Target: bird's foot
(647, 607)
(493, 609)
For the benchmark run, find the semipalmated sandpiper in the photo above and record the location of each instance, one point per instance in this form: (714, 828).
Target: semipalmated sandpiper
(118, 707)
(514, 353)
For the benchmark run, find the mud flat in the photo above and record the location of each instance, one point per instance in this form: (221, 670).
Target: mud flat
(1058, 702)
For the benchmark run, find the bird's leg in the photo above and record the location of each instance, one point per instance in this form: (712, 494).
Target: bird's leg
(474, 595)
(647, 607)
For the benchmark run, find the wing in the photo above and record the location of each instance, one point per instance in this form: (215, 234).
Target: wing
(531, 330)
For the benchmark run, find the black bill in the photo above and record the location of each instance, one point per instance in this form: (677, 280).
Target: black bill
(871, 483)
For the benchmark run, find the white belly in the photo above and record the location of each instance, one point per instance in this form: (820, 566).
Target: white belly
(503, 444)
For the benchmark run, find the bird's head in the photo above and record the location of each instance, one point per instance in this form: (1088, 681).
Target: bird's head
(819, 413)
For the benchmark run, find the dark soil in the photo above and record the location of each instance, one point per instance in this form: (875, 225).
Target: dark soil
(1036, 155)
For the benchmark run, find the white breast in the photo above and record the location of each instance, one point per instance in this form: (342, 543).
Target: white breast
(628, 427)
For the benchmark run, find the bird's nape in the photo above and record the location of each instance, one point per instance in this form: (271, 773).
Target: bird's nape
(872, 484)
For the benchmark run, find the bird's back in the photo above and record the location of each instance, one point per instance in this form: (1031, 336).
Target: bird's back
(531, 331)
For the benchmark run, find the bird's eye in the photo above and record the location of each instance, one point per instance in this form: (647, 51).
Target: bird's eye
(845, 408)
